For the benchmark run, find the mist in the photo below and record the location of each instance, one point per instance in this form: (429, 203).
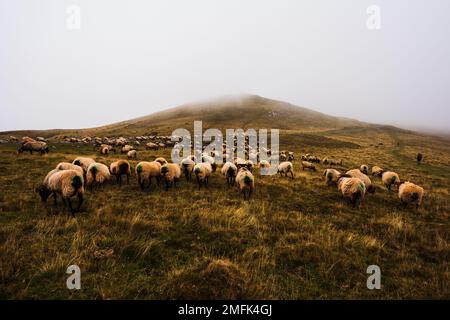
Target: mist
(129, 59)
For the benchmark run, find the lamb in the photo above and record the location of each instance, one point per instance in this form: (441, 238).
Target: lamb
(229, 170)
(285, 168)
(308, 165)
(187, 165)
(69, 166)
(245, 182)
(356, 173)
(161, 160)
(202, 173)
(145, 171)
(377, 171)
(31, 146)
(120, 168)
(408, 193)
(331, 176)
(67, 183)
(390, 178)
(132, 154)
(364, 168)
(83, 162)
(97, 173)
(353, 189)
(170, 174)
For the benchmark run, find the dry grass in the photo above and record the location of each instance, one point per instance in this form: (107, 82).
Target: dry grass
(293, 240)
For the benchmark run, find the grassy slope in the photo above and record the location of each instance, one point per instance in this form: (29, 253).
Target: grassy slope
(295, 239)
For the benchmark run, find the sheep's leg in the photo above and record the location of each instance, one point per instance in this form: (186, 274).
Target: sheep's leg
(250, 193)
(70, 207)
(128, 179)
(80, 201)
(292, 175)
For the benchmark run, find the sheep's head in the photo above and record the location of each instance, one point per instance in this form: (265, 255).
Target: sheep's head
(44, 192)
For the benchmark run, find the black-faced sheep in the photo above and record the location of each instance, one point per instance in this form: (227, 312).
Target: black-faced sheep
(409, 192)
(377, 171)
(353, 189)
(390, 178)
(146, 171)
(170, 175)
(286, 168)
(331, 176)
(97, 174)
(364, 168)
(132, 154)
(202, 173)
(308, 165)
(229, 171)
(35, 146)
(245, 182)
(67, 183)
(356, 173)
(120, 168)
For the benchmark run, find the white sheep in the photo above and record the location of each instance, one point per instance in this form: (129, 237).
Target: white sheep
(390, 178)
(132, 154)
(170, 174)
(120, 168)
(377, 171)
(146, 171)
(67, 183)
(285, 168)
(229, 171)
(202, 173)
(161, 160)
(187, 165)
(364, 168)
(69, 166)
(353, 189)
(245, 182)
(409, 192)
(83, 162)
(97, 173)
(356, 173)
(308, 165)
(331, 176)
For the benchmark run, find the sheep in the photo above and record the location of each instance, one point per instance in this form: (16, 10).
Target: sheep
(285, 168)
(245, 182)
(409, 192)
(264, 167)
(104, 150)
(145, 171)
(97, 173)
(332, 162)
(390, 178)
(364, 168)
(283, 157)
(356, 173)
(308, 165)
(170, 174)
(331, 176)
(132, 154)
(31, 146)
(249, 164)
(377, 171)
(161, 160)
(187, 166)
(69, 166)
(120, 168)
(419, 158)
(67, 183)
(151, 146)
(229, 171)
(202, 173)
(126, 148)
(291, 156)
(83, 162)
(352, 188)
(240, 163)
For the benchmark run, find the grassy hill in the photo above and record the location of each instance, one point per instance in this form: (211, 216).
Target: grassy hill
(296, 239)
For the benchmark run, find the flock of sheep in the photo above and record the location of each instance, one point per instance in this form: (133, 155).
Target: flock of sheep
(70, 179)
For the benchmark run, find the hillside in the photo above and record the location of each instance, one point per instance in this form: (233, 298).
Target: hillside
(247, 111)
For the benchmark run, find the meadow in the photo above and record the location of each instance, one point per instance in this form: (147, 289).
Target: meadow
(295, 239)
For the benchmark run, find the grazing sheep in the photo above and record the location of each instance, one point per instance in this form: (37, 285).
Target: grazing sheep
(285, 168)
(120, 168)
(126, 148)
(229, 171)
(151, 146)
(187, 166)
(356, 173)
(161, 160)
(408, 193)
(240, 163)
(170, 175)
(377, 171)
(353, 189)
(331, 176)
(249, 164)
(202, 173)
(390, 178)
(364, 169)
(31, 146)
(83, 162)
(132, 154)
(283, 157)
(419, 158)
(67, 183)
(97, 173)
(245, 182)
(104, 150)
(308, 165)
(69, 166)
(145, 171)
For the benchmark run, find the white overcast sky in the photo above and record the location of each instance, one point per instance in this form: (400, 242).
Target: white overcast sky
(132, 58)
